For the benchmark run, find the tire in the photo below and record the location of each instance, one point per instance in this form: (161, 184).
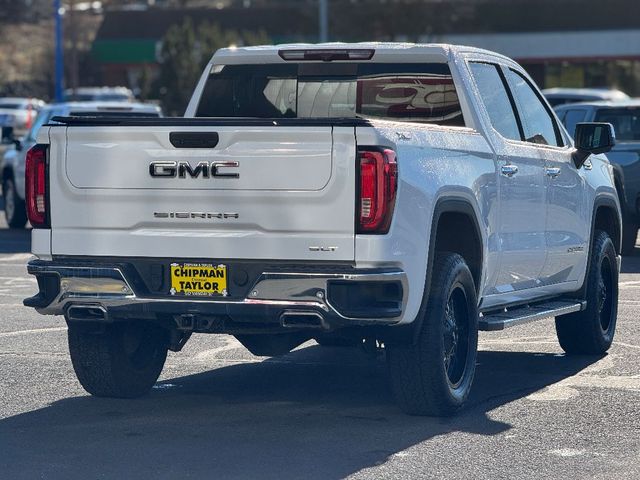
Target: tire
(629, 237)
(15, 211)
(433, 376)
(591, 331)
(122, 361)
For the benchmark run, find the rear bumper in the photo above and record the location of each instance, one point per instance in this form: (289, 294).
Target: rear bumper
(297, 299)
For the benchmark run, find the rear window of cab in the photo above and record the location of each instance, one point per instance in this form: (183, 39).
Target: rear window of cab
(422, 92)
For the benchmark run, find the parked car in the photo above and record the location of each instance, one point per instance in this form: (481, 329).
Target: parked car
(13, 164)
(404, 195)
(625, 155)
(99, 94)
(560, 96)
(17, 114)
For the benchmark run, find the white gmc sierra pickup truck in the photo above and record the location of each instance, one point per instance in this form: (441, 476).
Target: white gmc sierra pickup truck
(400, 194)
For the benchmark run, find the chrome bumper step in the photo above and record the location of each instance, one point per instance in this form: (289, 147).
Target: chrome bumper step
(528, 313)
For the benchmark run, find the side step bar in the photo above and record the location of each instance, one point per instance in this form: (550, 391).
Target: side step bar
(528, 313)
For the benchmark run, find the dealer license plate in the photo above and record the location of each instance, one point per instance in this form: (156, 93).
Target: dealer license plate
(198, 279)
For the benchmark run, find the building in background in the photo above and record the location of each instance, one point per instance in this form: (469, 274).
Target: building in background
(571, 43)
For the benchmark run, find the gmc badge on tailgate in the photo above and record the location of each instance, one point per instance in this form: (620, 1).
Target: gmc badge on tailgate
(184, 169)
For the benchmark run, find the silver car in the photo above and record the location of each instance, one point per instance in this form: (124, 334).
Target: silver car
(562, 96)
(17, 114)
(13, 166)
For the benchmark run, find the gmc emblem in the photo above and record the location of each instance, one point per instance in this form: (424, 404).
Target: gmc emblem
(184, 169)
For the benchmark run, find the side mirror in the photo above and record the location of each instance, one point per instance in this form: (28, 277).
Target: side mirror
(592, 138)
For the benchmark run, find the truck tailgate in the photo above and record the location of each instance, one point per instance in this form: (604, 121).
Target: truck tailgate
(293, 198)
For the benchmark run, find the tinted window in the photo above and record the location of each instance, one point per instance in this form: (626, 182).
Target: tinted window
(571, 118)
(495, 99)
(415, 92)
(625, 121)
(537, 122)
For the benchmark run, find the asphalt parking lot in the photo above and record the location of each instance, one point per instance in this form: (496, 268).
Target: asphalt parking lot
(219, 412)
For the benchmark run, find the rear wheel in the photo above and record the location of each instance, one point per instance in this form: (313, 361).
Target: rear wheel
(434, 375)
(591, 331)
(14, 207)
(121, 360)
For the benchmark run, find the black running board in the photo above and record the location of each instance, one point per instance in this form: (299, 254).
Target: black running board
(528, 313)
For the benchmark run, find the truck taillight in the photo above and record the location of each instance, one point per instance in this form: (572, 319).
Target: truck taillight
(36, 186)
(378, 185)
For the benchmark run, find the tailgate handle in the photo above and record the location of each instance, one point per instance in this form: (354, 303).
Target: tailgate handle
(194, 139)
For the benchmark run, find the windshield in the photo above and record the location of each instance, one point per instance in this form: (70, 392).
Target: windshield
(409, 92)
(625, 121)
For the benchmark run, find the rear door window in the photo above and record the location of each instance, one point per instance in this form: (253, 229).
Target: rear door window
(404, 92)
(496, 99)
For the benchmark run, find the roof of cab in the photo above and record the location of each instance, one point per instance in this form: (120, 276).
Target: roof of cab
(383, 50)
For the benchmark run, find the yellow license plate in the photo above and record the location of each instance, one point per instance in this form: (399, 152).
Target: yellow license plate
(198, 279)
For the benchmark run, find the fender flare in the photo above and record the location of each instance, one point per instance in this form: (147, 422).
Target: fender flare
(602, 200)
(446, 204)
(618, 179)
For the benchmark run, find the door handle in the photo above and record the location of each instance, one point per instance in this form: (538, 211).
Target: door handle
(194, 139)
(509, 170)
(552, 172)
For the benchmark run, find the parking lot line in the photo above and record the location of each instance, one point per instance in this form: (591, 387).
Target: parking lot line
(35, 330)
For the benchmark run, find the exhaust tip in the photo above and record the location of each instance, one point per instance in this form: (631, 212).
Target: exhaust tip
(302, 319)
(86, 313)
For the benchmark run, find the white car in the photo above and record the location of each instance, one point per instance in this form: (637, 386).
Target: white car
(99, 94)
(18, 114)
(562, 96)
(13, 165)
(397, 194)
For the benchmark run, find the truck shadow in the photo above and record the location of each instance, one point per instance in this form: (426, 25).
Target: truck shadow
(294, 417)
(631, 264)
(15, 241)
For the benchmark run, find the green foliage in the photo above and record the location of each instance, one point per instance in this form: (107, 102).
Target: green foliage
(186, 49)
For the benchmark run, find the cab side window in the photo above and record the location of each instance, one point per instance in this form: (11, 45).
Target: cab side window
(537, 122)
(495, 99)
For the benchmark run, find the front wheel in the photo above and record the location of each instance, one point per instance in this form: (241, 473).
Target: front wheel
(121, 360)
(433, 376)
(591, 331)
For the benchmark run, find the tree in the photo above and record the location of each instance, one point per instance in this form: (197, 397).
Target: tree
(186, 49)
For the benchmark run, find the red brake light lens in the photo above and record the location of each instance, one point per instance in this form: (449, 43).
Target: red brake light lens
(36, 186)
(326, 55)
(378, 186)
